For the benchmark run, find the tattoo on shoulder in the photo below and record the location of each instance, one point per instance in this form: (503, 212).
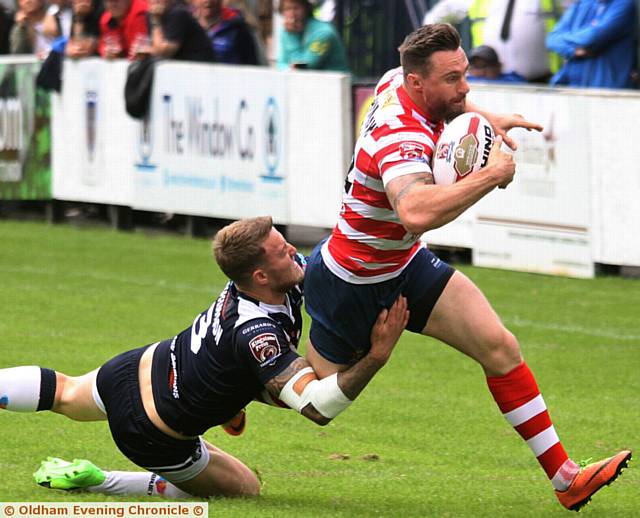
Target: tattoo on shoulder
(275, 384)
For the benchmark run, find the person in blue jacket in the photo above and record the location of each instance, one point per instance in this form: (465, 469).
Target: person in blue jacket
(597, 38)
(231, 37)
(306, 42)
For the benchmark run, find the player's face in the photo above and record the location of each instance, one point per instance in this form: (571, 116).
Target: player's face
(283, 271)
(444, 89)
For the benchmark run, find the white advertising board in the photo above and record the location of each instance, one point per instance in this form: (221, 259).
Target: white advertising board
(215, 143)
(320, 147)
(541, 222)
(92, 134)
(615, 177)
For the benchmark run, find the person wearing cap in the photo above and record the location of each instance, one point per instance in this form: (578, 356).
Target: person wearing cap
(308, 43)
(485, 66)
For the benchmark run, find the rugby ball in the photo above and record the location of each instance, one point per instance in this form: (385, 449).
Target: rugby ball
(463, 147)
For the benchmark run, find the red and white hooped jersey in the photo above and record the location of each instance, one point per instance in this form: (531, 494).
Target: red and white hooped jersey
(369, 244)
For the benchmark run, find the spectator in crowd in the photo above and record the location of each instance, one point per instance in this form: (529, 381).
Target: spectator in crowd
(229, 34)
(6, 23)
(484, 65)
(306, 42)
(176, 34)
(57, 21)
(597, 38)
(515, 30)
(85, 29)
(27, 35)
(249, 13)
(122, 26)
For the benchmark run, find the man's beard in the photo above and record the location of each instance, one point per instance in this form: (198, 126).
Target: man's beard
(285, 285)
(447, 112)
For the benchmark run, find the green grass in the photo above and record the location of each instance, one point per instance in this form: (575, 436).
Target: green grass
(71, 298)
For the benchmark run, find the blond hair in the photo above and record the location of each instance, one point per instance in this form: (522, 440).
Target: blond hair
(238, 248)
(417, 47)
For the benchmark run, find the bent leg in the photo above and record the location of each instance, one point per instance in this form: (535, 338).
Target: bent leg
(224, 476)
(464, 319)
(75, 397)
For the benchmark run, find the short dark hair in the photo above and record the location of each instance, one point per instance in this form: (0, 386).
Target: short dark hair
(304, 3)
(417, 47)
(238, 247)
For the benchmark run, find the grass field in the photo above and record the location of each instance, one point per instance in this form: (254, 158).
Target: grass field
(71, 298)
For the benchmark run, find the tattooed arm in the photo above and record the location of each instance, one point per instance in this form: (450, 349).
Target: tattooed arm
(421, 205)
(322, 400)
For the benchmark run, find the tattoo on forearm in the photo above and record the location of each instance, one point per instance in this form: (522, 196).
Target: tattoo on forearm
(275, 384)
(356, 378)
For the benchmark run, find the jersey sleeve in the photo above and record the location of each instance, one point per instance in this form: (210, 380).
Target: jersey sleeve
(403, 152)
(263, 346)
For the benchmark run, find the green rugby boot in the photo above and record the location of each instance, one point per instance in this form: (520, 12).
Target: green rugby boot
(61, 474)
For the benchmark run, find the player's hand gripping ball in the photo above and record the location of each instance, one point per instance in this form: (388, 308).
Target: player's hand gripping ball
(463, 148)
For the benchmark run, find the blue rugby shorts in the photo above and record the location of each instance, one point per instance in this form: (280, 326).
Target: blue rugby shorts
(343, 313)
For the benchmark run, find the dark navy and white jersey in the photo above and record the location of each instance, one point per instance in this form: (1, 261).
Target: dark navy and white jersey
(207, 373)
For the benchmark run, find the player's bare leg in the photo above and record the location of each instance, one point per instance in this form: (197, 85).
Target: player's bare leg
(32, 389)
(224, 476)
(75, 399)
(464, 319)
(320, 364)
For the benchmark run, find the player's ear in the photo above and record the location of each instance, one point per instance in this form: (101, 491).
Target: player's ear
(260, 277)
(414, 81)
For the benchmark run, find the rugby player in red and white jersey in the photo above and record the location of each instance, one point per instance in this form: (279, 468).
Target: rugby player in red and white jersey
(374, 253)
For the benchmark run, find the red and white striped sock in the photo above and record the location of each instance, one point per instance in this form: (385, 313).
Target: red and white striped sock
(521, 403)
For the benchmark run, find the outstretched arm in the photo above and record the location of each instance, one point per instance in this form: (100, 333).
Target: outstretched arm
(322, 400)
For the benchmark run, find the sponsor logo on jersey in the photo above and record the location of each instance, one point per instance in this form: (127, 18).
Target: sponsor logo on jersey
(265, 348)
(253, 327)
(411, 150)
(173, 373)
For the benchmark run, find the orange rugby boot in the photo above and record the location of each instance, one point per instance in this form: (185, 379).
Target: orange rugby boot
(592, 478)
(237, 424)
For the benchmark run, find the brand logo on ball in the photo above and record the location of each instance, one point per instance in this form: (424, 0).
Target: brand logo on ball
(411, 150)
(265, 348)
(466, 154)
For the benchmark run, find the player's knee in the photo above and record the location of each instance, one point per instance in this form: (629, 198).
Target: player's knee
(504, 352)
(68, 393)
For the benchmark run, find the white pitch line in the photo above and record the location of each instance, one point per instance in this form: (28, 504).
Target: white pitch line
(589, 331)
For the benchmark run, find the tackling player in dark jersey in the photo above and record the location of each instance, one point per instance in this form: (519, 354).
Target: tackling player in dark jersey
(159, 399)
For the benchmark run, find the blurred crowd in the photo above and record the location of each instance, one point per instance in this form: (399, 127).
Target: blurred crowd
(216, 31)
(585, 43)
(582, 43)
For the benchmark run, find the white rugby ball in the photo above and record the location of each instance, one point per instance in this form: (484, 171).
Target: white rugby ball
(463, 148)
